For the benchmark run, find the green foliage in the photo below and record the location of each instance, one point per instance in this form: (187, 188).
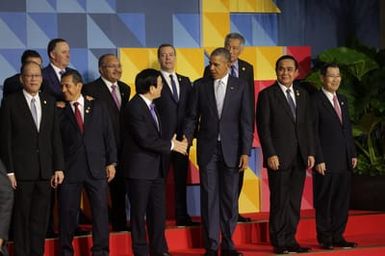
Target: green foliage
(363, 83)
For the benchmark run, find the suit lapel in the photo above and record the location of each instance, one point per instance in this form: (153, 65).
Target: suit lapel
(167, 91)
(43, 104)
(230, 89)
(71, 116)
(328, 105)
(88, 112)
(282, 100)
(209, 91)
(123, 96)
(106, 91)
(241, 69)
(24, 108)
(149, 116)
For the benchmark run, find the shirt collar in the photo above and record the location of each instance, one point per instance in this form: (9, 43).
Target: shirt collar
(328, 94)
(29, 97)
(80, 100)
(284, 88)
(223, 79)
(147, 101)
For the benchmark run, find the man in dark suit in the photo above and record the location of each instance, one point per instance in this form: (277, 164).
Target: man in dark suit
(115, 95)
(12, 84)
(58, 51)
(6, 205)
(172, 108)
(335, 159)
(287, 140)
(219, 109)
(234, 42)
(32, 153)
(144, 165)
(90, 158)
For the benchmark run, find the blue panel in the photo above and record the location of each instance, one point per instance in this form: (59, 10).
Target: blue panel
(79, 61)
(101, 6)
(96, 36)
(186, 30)
(13, 30)
(265, 29)
(135, 22)
(241, 23)
(41, 6)
(13, 5)
(73, 27)
(72, 6)
(41, 29)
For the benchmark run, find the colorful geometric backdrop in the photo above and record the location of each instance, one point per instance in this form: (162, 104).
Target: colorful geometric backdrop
(134, 28)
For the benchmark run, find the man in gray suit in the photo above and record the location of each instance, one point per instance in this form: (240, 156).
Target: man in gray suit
(219, 109)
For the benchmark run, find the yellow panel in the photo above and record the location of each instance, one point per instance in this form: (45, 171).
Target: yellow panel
(215, 5)
(249, 200)
(259, 6)
(249, 54)
(215, 27)
(190, 62)
(266, 58)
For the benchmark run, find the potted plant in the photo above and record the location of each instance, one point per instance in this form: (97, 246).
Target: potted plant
(363, 83)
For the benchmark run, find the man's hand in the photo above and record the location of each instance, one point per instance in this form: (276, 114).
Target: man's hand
(321, 168)
(310, 162)
(354, 162)
(12, 179)
(273, 163)
(243, 162)
(57, 178)
(110, 171)
(180, 146)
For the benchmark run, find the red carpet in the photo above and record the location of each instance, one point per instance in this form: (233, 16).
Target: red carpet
(365, 228)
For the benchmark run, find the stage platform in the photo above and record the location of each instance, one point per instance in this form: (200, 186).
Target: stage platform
(365, 228)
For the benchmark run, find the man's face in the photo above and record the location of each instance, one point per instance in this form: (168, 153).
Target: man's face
(37, 60)
(70, 90)
(156, 91)
(286, 72)
(31, 78)
(111, 69)
(235, 47)
(167, 59)
(331, 80)
(219, 66)
(60, 56)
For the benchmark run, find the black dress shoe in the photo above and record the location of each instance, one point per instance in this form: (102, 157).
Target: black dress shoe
(231, 253)
(345, 244)
(210, 253)
(121, 229)
(281, 250)
(298, 249)
(160, 254)
(243, 219)
(326, 246)
(187, 223)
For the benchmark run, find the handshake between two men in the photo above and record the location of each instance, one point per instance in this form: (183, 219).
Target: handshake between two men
(180, 146)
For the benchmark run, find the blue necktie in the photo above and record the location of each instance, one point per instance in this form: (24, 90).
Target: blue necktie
(291, 103)
(232, 72)
(173, 86)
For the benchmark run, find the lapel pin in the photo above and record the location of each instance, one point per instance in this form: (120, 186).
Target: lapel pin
(231, 88)
(342, 103)
(297, 93)
(179, 79)
(243, 68)
(44, 102)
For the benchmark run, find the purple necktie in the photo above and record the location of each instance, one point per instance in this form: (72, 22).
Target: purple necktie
(337, 107)
(115, 96)
(153, 114)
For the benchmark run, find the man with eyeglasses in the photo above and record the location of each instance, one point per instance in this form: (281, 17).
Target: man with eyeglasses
(115, 95)
(32, 152)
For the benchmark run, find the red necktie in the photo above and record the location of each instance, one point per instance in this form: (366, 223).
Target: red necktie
(78, 117)
(337, 107)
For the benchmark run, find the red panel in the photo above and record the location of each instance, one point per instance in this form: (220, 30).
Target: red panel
(302, 55)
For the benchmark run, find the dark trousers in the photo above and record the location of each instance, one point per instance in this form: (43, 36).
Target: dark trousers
(331, 201)
(31, 212)
(6, 204)
(148, 201)
(69, 200)
(219, 201)
(286, 188)
(179, 163)
(118, 192)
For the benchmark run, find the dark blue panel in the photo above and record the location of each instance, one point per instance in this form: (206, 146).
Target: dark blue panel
(73, 28)
(13, 5)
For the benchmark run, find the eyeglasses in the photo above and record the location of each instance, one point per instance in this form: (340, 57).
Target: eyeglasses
(113, 66)
(33, 76)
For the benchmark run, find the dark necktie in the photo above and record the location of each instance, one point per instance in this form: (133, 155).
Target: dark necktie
(173, 86)
(153, 114)
(61, 72)
(78, 117)
(337, 107)
(114, 95)
(291, 103)
(34, 112)
(232, 72)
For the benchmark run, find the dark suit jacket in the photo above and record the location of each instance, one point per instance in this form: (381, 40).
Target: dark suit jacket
(6, 202)
(96, 144)
(334, 141)
(32, 155)
(52, 82)
(278, 132)
(246, 73)
(171, 112)
(234, 126)
(99, 90)
(144, 151)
